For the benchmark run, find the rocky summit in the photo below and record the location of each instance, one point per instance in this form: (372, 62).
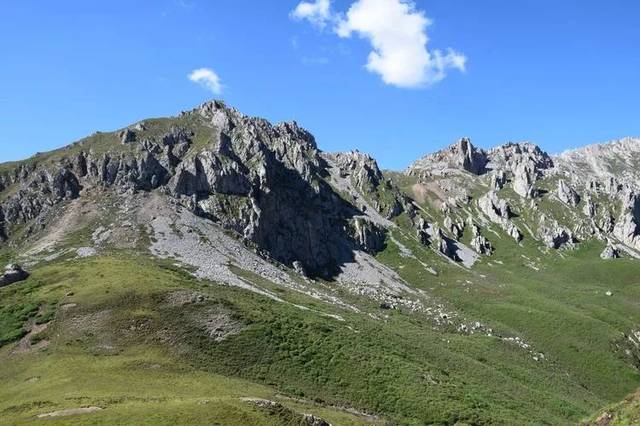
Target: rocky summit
(271, 281)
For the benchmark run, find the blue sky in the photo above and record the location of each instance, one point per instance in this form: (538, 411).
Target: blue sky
(559, 73)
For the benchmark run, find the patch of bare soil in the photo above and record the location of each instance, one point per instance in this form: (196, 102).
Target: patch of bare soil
(70, 219)
(27, 344)
(218, 324)
(70, 412)
(184, 297)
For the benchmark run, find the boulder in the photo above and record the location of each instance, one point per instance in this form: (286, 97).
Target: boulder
(12, 274)
(481, 245)
(456, 229)
(126, 136)
(610, 252)
(556, 236)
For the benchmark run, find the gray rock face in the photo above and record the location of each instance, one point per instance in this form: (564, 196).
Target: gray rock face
(496, 209)
(12, 274)
(126, 136)
(265, 182)
(499, 212)
(510, 156)
(556, 237)
(365, 176)
(567, 194)
(616, 162)
(514, 232)
(479, 243)
(589, 208)
(524, 177)
(610, 252)
(627, 227)
(444, 245)
(498, 180)
(422, 232)
(461, 155)
(456, 229)
(369, 237)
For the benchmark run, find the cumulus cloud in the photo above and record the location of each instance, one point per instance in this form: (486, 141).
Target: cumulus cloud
(207, 78)
(397, 32)
(317, 12)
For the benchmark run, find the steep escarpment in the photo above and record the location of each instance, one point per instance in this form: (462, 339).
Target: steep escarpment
(267, 183)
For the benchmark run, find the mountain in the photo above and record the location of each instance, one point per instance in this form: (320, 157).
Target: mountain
(216, 266)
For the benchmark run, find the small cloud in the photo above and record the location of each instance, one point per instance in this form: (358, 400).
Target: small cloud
(207, 78)
(317, 12)
(295, 43)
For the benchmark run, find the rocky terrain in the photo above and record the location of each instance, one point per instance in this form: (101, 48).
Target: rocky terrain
(558, 201)
(482, 254)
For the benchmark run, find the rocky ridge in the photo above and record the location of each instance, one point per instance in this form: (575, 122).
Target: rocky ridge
(559, 200)
(312, 211)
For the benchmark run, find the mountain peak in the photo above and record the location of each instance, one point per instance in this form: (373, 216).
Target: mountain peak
(461, 155)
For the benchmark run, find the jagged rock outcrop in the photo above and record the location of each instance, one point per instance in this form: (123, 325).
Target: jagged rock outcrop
(514, 232)
(524, 177)
(567, 194)
(496, 209)
(368, 235)
(556, 236)
(510, 156)
(499, 212)
(12, 274)
(422, 231)
(360, 167)
(367, 183)
(615, 162)
(456, 228)
(266, 182)
(589, 208)
(498, 180)
(607, 222)
(462, 155)
(310, 210)
(126, 136)
(627, 227)
(443, 244)
(479, 243)
(610, 252)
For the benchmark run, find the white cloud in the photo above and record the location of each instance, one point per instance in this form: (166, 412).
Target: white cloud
(207, 78)
(317, 12)
(397, 32)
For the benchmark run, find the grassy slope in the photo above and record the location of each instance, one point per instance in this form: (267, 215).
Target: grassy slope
(625, 413)
(140, 376)
(398, 367)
